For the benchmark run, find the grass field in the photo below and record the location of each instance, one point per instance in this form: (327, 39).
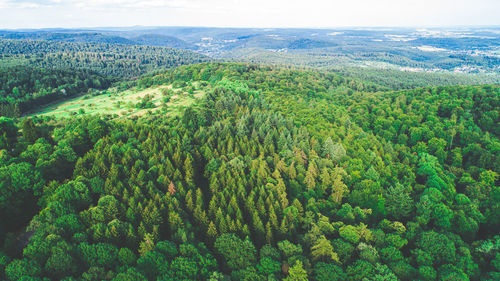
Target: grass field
(160, 99)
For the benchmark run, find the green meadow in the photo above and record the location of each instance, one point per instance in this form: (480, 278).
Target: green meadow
(129, 103)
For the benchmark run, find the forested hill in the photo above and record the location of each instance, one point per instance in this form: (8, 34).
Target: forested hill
(115, 60)
(275, 174)
(34, 73)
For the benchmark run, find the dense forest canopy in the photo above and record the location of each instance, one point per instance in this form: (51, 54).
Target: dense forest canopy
(275, 174)
(396, 80)
(109, 59)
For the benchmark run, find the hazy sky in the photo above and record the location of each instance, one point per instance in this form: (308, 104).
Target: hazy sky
(251, 13)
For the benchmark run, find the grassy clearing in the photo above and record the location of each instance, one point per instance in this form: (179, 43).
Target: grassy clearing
(133, 102)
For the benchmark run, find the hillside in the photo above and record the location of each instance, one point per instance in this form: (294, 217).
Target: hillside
(115, 60)
(25, 88)
(163, 41)
(36, 73)
(259, 173)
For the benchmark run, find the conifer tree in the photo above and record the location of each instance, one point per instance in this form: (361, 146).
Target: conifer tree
(297, 273)
(147, 245)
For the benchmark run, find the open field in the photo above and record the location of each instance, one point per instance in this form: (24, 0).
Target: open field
(129, 103)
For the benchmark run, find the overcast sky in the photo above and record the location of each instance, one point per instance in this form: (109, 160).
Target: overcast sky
(250, 13)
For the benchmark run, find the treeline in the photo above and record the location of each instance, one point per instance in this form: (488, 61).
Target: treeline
(117, 60)
(277, 174)
(24, 88)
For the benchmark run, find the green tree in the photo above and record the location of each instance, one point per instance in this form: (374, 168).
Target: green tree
(296, 273)
(30, 132)
(322, 249)
(147, 245)
(350, 234)
(398, 202)
(126, 257)
(20, 268)
(60, 263)
(238, 254)
(328, 271)
(8, 132)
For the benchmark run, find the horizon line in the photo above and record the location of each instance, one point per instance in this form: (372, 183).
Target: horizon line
(251, 27)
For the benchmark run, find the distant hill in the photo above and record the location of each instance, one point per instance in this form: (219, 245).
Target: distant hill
(461, 50)
(309, 44)
(117, 60)
(162, 41)
(87, 37)
(98, 37)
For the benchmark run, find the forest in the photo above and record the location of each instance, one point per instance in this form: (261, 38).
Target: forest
(36, 73)
(276, 173)
(115, 60)
(24, 88)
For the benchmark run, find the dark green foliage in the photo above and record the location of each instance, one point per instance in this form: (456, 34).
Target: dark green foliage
(102, 254)
(20, 184)
(24, 88)
(328, 271)
(238, 254)
(8, 132)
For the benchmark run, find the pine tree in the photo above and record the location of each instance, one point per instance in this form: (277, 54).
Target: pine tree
(171, 188)
(189, 201)
(269, 233)
(322, 248)
(189, 170)
(221, 222)
(325, 177)
(212, 207)
(212, 231)
(339, 189)
(310, 180)
(131, 238)
(292, 173)
(283, 230)
(273, 219)
(199, 198)
(147, 245)
(258, 225)
(296, 272)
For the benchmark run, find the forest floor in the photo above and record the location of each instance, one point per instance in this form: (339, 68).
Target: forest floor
(124, 104)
